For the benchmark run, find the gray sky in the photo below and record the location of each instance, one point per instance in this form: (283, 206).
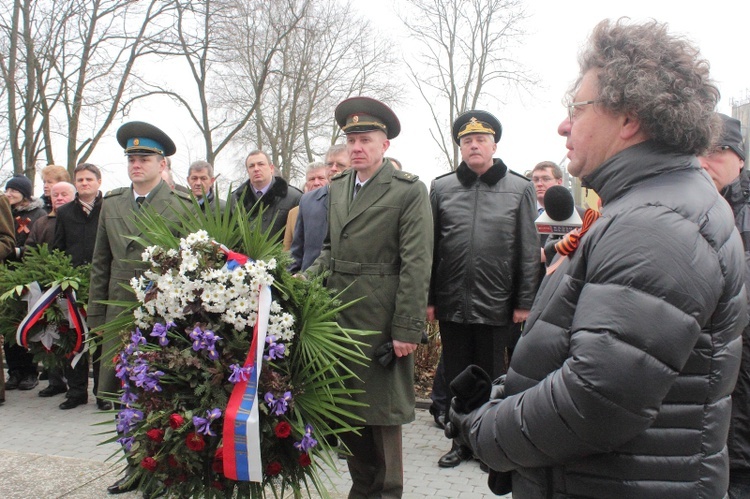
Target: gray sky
(555, 32)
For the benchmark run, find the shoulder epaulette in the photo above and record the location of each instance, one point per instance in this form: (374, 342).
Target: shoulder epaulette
(446, 174)
(406, 176)
(341, 175)
(116, 192)
(519, 175)
(181, 194)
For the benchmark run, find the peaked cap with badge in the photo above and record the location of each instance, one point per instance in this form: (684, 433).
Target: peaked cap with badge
(364, 114)
(142, 139)
(476, 122)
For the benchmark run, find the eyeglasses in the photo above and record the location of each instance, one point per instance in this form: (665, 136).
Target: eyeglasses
(573, 105)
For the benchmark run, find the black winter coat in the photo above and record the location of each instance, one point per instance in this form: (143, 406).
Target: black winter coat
(620, 384)
(737, 195)
(486, 258)
(75, 233)
(23, 220)
(277, 202)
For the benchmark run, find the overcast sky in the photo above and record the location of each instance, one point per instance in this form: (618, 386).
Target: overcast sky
(555, 32)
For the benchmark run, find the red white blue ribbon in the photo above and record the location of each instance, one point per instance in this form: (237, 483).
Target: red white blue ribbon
(37, 307)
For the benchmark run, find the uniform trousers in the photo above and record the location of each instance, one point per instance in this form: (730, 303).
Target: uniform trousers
(376, 462)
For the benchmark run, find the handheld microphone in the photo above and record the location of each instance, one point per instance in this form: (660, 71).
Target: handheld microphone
(560, 215)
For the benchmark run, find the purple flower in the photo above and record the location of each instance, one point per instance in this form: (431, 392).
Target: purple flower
(278, 406)
(126, 442)
(307, 442)
(126, 418)
(127, 396)
(203, 425)
(239, 374)
(275, 350)
(205, 340)
(136, 338)
(160, 331)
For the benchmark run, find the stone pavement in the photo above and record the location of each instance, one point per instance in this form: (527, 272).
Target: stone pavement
(49, 453)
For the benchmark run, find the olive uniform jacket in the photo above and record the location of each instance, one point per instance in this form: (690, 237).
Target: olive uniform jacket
(379, 247)
(116, 258)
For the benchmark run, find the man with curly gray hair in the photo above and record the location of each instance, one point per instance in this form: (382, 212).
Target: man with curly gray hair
(620, 385)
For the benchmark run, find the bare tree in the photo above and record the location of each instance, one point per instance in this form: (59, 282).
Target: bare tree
(331, 55)
(465, 58)
(68, 68)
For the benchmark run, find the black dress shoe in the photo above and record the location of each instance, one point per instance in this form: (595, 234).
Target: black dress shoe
(52, 390)
(439, 417)
(124, 484)
(103, 405)
(455, 456)
(71, 403)
(29, 382)
(13, 380)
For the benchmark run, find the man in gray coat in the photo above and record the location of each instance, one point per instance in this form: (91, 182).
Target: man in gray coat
(116, 257)
(621, 383)
(379, 250)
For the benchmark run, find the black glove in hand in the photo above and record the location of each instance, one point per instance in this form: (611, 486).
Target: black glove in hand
(460, 425)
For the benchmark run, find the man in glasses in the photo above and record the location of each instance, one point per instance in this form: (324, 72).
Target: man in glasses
(725, 165)
(621, 383)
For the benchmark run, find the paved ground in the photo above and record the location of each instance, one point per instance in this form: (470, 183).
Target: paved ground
(49, 453)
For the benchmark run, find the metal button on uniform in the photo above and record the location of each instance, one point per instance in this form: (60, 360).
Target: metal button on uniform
(345, 235)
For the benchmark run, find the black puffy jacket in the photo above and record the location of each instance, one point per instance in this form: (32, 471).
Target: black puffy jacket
(486, 258)
(620, 385)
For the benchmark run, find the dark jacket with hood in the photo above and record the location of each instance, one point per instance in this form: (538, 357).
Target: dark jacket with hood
(486, 258)
(620, 384)
(276, 202)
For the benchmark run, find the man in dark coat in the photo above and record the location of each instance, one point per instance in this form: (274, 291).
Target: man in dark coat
(486, 257)
(117, 258)
(312, 220)
(276, 196)
(378, 249)
(725, 165)
(75, 234)
(621, 383)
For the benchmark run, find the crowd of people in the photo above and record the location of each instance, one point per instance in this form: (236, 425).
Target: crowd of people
(615, 351)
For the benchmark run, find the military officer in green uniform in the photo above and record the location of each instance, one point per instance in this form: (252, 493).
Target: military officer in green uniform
(116, 257)
(378, 247)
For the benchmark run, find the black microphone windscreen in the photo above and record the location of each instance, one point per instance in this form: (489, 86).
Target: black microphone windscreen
(558, 203)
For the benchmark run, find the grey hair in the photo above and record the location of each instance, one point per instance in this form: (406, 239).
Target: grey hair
(315, 165)
(335, 149)
(657, 77)
(201, 165)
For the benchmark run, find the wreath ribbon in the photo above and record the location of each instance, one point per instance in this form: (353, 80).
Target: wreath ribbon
(241, 434)
(37, 306)
(570, 242)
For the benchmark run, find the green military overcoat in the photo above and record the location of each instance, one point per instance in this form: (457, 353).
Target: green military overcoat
(115, 261)
(379, 246)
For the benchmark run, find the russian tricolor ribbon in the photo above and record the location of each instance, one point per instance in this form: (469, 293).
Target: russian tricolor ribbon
(242, 460)
(37, 306)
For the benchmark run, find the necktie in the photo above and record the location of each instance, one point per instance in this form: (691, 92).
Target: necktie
(140, 200)
(540, 210)
(259, 194)
(357, 187)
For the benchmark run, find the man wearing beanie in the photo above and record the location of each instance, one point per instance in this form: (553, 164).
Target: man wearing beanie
(25, 210)
(725, 165)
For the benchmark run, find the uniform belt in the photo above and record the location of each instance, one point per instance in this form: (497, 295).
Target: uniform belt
(356, 268)
(125, 275)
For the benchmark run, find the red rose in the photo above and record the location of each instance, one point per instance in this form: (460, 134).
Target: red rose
(283, 429)
(175, 421)
(304, 460)
(195, 442)
(172, 461)
(273, 468)
(149, 463)
(156, 434)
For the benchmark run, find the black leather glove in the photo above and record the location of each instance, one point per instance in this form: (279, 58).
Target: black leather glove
(460, 425)
(384, 354)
